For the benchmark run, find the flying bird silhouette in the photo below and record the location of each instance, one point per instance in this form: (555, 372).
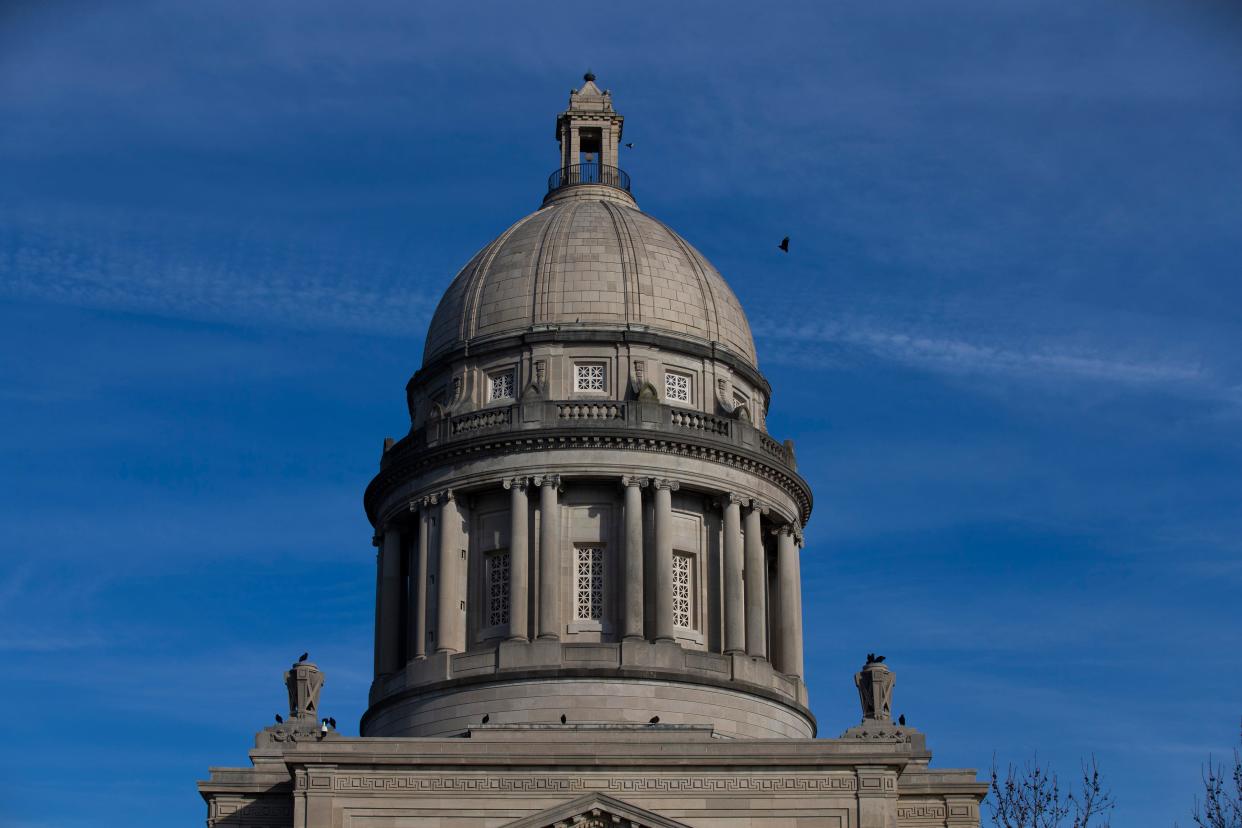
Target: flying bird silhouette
(629, 146)
(784, 245)
(303, 657)
(280, 719)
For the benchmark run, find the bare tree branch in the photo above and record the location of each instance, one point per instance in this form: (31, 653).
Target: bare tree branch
(1031, 797)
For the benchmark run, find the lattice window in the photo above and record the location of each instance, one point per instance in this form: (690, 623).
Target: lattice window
(676, 387)
(683, 567)
(589, 377)
(589, 583)
(500, 386)
(497, 578)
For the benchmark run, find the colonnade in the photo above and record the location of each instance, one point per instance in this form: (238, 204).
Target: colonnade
(402, 586)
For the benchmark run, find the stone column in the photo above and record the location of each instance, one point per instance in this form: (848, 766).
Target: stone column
(450, 629)
(519, 559)
(411, 588)
(788, 630)
(664, 559)
(633, 602)
(734, 585)
(549, 558)
(756, 586)
(419, 578)
(377, 541)
(389, 630)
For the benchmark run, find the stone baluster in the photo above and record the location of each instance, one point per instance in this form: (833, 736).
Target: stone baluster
(549, 558)
(789, 622)
(388, 625)
(664, 559)
(756, 584)
(633, 603)
(451, 583)
(734, 584)
(519, 559)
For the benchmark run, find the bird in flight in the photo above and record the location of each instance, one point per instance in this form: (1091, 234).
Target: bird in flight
(303, 657)
(784, 245)
(629, 146)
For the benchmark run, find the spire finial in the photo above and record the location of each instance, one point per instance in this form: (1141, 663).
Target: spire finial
(589, 76)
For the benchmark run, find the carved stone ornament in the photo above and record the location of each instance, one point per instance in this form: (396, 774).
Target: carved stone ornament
(304, 681)
(724, 395)
(875, 691)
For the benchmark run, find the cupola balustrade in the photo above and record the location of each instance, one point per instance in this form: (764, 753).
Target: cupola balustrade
(589, 173)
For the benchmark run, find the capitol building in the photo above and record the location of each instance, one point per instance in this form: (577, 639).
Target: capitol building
(588, 599)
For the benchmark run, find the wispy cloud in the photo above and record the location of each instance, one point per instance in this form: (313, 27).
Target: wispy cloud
(1032, 358)
(286, 280)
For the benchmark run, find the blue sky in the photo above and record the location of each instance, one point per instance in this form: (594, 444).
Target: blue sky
(1005, 341)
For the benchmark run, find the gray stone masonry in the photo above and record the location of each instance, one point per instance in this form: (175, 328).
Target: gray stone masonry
(588, 579)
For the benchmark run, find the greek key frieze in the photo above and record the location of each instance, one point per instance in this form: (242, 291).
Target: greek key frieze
(920, 812)
(535, 784)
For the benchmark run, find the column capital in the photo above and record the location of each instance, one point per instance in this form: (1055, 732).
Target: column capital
(729, 498)
(664, 483)
(758, 506)
(630, 480)
(516, 482)
(792, 528)
(425, 501)
(547, 480)
(449, 496)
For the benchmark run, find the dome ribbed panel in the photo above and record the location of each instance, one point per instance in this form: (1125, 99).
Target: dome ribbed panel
(580, 262)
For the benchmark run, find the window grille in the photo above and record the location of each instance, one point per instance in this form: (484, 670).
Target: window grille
(589, 378)
(682, 616)
(500, 386)
(676, 387)
(497, 574)
(589, 584)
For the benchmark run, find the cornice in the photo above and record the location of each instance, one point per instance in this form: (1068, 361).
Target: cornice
(402, 465)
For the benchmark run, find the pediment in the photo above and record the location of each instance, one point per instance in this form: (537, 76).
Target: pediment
(596, 811)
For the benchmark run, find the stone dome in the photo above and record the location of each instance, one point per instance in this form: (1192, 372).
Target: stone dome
(589, 260)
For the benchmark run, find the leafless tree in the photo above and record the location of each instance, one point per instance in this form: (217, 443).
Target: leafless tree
(1031, 797)
(1222, 795)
